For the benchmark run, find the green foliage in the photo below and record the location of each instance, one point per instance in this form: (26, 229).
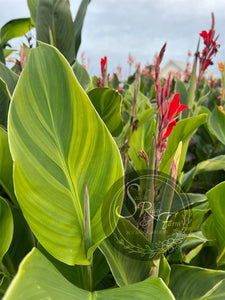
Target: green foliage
(35, 267)
(4, 103)
(217, 124)
(192, 283)
(141, 138)
(14, 28)
(129, 263)
(6, 166)
(93, 201)
(56, 175)
(82, 75)
(183, 131)
(33, 5)
(9, 77)
(6, 224)
(84, 277)
(55, 17)
(216, 229)
(78, 23)
(107, 102)
(213, 164)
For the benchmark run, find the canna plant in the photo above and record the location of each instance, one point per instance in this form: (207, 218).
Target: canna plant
(97, 200)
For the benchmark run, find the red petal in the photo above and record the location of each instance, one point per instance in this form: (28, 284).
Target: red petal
(181, 107)
(170, 128)
(204, 34)
(173, 106)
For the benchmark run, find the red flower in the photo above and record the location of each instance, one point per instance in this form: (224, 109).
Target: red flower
(167, 111)
(103, 64)
(207, 37)
(174, 108)
(211, 48)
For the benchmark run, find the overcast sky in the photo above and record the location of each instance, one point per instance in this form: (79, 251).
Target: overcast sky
(116, 28)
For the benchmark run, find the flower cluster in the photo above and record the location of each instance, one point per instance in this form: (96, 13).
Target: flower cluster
(168, 111)
(130, 60)
(148, 71)
(210, 49)
(103, 65)
(101, 81)
(119, 72)
(168, 114)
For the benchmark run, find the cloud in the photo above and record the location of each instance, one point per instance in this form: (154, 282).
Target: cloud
(115, 28)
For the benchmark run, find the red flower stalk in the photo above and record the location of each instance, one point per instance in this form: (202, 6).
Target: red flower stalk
(22, 57)
(167, 111)
(130, 60)
(103, 81)
(103, 65)
(211, 48)
(169, 115)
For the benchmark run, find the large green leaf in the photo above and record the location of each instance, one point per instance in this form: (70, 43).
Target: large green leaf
(78, 23)
(13, 29)
(33, 4)
(193, 283)
(6, 166)
(182, 132)
(60, 146)
(6, 225)
(9, 77)
(107, 102)
(39, 279)
(213, 164)
(216, 202)
(55, 15)
(217, 124)
(125, 250)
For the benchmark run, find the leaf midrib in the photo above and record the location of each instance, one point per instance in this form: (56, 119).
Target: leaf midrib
(73, 190)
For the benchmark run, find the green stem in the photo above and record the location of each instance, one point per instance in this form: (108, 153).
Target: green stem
(167, 198)
(150, 191)
(4, 269)
(191, 90)
(90, 277)
(154, 271)
(10, 264)
(136, 88)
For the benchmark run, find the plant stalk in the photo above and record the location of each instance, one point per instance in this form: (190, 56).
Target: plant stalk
(150, 191)
(136, 88)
